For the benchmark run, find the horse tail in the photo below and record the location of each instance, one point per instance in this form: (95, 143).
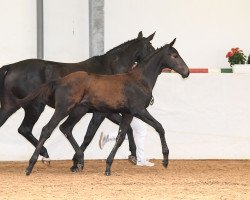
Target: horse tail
(3, 72)
(40, 94)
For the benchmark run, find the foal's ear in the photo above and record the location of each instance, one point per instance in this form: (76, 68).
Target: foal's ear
(140, 36)
(172, 43)
(149, 38)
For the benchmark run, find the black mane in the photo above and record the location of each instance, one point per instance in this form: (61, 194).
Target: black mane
(121, 46)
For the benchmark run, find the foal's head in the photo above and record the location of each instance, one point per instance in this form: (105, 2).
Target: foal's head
(173, 60)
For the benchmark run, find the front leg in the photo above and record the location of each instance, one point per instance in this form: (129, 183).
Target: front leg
(93, 126)
(145, 116)
(116, 118)
(126, 120)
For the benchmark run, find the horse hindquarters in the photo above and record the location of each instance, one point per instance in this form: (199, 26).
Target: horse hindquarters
(3, 72)
(6, 109)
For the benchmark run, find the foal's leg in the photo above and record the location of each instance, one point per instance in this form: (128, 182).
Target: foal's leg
(66, 128)
(46, 132)
(149, 119)
(126, 120)
(32, 114)
(116, 118)
(94, 124)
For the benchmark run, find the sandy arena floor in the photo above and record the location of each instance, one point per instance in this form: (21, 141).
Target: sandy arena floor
(196, 179)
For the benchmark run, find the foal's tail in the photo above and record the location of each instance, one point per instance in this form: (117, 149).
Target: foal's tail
(3, 72)
(40, 94)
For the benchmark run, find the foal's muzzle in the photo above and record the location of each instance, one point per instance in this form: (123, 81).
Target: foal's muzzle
(186, 74)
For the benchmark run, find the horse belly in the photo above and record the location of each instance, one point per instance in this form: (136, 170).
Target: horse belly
(108, 102)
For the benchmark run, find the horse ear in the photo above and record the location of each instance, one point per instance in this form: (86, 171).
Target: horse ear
(140, 36)
(172, 43)
(149, 38)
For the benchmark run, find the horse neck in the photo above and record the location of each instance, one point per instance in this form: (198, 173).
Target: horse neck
(149, 70)
(118, 59)
(115, 61)
(96, 64)
(120, 62)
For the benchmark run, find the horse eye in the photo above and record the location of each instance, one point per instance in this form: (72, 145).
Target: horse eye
(175, 55)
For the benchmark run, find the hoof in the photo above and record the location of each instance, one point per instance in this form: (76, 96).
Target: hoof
(73, 169)
(132, 159)
(46, 161)
(27, 172)
(107, 173)
(77, 168)
(165, 163)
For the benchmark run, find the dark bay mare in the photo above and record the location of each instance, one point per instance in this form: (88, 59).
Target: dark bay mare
(19, 79)
(81, 92)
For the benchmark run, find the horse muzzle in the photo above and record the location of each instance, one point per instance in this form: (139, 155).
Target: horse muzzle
(185, 75)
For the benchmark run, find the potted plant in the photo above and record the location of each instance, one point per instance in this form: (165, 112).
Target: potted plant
(237, 60)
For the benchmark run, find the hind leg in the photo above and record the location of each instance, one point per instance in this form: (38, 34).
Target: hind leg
(45, 134)
(26, 126)
(66, 128)
(32, 114)
(94, 124)
(5, 113)
(68, 125)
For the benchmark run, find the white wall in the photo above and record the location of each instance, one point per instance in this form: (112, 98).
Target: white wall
(17, 30)
(66, 30)
(205, 30)
(205, 115)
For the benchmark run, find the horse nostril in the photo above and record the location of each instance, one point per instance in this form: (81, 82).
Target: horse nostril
(186, 75)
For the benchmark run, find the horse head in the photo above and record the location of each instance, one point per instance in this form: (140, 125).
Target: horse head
(142, 47)
(173, 60)
(130, 52)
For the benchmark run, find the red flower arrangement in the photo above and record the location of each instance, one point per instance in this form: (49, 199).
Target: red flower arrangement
(236, 56)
